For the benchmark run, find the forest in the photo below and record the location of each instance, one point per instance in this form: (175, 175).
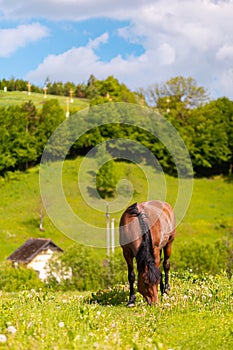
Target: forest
(205, 125)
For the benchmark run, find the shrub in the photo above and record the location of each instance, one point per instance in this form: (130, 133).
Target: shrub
(87, 273)
(20, 278)
(204, 258)
(111, 296)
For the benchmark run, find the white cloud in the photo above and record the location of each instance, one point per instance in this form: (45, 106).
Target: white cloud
(14, 38)
(102, 39)
(166, 54)
(225, 52)
(180, 37)
(68, 9)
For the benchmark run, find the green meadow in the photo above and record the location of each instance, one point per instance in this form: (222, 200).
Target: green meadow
(209, 215)
(197, 313)
(10, 98)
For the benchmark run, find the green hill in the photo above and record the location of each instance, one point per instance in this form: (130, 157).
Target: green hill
(209, 216)
(19, 97)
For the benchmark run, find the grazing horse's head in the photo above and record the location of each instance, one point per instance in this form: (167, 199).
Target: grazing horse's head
(148, 281)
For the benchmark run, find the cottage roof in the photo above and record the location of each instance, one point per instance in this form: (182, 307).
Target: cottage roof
(31, 248)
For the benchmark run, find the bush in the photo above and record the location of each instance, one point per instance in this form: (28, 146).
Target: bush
(111, 296)
(86, 272)
(20, 278)
(118, 272)
(204, 258)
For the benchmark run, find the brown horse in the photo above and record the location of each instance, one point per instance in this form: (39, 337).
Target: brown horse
(145, 230)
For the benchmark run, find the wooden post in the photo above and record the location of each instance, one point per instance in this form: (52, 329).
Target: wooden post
(67, 108)
(29, 89)
(107, 230)
(71, 96)
(45, 92)
(113, 235)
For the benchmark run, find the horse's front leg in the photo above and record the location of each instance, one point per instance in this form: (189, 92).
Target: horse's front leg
(157, 256)
(131, 279)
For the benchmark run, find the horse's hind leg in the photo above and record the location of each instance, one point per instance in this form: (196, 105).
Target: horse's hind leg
(166, 264)
(131, 279)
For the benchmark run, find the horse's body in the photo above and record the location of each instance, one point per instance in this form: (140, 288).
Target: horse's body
(145, 230)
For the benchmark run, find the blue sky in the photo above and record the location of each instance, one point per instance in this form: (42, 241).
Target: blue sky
(141, 42)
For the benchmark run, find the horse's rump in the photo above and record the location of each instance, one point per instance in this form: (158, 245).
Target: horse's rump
(158, 216)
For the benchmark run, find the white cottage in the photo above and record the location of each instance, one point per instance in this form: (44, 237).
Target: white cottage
(35, 253)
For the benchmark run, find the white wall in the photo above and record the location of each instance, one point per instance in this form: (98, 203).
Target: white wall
(39, 263)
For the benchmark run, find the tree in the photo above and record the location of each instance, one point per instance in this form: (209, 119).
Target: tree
(50, 117)
(226, 108)
(207, 140)
(106, 179)
(178, 91)
(110, 90)
(69, 89)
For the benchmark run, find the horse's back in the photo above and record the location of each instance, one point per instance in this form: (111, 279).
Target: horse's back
(161, 221)
(160, 218)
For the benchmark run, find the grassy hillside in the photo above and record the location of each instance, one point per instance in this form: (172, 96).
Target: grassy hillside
(209, 216)
(19, 97)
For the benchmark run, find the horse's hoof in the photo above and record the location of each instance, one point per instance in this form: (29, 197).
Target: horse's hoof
(130, 304)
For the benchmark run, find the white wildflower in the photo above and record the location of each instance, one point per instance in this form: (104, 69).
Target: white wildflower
(61, 324)
(3, 338)
(11, 329)
(167, 305)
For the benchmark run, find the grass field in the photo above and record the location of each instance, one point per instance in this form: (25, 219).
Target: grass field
(19, 97)
(209, 216)
(198, 314)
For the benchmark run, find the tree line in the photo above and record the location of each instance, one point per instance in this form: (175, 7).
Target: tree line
(206, 126)
(97, 91)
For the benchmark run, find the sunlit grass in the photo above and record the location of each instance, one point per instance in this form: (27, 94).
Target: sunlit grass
(196, 315)
(19, 97)
(208, 218)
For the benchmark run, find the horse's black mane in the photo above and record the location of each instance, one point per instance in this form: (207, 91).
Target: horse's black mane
(145, 254)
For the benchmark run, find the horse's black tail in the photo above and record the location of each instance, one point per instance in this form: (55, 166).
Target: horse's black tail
(145, 255)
